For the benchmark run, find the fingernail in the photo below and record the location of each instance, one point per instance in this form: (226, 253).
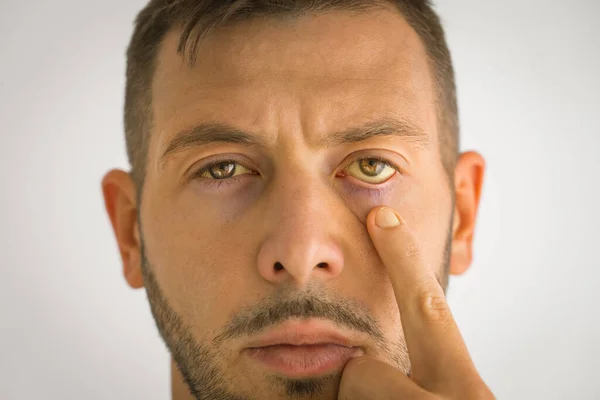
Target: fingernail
(386, 218)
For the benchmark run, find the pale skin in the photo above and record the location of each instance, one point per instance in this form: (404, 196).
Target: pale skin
(212, 249)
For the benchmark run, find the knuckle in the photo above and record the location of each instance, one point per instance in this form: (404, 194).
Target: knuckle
(412, 250)
(433, 306)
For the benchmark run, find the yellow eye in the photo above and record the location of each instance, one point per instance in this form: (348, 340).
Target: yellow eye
(371, 170)
(223, 170)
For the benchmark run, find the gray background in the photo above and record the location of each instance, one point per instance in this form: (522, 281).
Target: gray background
(529, 95)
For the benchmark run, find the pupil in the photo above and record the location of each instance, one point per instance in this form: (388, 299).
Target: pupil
(371, 167)
(222, 170)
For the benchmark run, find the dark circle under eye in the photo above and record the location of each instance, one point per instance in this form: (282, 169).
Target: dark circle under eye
(371, 167)
(222, 170)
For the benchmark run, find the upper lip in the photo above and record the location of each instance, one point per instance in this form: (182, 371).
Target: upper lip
(299, 333)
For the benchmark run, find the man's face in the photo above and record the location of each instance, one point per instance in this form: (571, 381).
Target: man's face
(239, 238)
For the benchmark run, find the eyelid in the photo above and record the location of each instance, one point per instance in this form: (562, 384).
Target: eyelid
(372, 155)
(363, 155)
(379, 158)
(218, 159)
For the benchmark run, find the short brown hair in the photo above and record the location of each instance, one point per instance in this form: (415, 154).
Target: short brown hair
(199, 17)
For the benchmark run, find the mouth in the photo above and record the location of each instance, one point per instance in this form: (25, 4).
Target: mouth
(303, 360)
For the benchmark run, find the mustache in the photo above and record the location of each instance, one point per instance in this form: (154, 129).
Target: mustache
(255, 319)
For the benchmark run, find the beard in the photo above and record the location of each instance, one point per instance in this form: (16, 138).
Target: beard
(199, 363)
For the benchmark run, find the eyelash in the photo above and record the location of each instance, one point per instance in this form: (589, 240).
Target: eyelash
(217, 183)
(381, 159)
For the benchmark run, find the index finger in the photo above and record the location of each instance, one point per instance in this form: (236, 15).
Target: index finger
(437, 351)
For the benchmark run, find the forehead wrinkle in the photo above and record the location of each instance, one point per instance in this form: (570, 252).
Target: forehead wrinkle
(183, 85)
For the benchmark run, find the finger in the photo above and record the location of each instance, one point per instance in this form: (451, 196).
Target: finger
(436, 348)
(366, 378)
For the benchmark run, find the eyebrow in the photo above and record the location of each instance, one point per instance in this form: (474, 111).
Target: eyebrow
(206, 133)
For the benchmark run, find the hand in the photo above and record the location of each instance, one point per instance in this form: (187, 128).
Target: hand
(441, 367)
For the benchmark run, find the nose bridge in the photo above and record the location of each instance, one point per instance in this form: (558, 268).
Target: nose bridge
(301, 236)
(302, 197)
(301, 213)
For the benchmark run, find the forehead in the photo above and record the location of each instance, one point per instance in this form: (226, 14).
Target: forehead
(332, 67)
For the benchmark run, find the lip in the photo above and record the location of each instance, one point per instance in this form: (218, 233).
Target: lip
(301, 361)
(301, 348)
(300, 333)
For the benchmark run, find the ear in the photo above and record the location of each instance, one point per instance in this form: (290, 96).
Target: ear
(468, 180)
(120, 201)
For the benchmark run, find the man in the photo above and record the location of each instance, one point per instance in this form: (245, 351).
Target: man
(265, 137)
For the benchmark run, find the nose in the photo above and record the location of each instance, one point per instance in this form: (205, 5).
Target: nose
(302, 233)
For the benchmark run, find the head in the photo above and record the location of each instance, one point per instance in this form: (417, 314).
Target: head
(260, 134)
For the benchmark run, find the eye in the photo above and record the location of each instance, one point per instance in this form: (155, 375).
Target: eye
(372, 169)
(221, 170)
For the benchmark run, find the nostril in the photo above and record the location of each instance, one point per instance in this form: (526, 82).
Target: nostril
(279, 266)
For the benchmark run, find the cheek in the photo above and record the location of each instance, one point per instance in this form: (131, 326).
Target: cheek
(221, 207)
(425, 212)
(399, 196)
(202, 281)
(430, 222)
(196, 257)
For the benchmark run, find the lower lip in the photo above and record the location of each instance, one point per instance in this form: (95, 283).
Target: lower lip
(304, 360)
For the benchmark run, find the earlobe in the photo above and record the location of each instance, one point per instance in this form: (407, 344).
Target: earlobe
(469, 176)
(120, 202)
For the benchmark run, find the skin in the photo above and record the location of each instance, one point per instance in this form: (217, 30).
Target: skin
(441, 365)
(207, 255)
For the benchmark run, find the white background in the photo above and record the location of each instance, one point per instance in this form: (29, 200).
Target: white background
(529, 93)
